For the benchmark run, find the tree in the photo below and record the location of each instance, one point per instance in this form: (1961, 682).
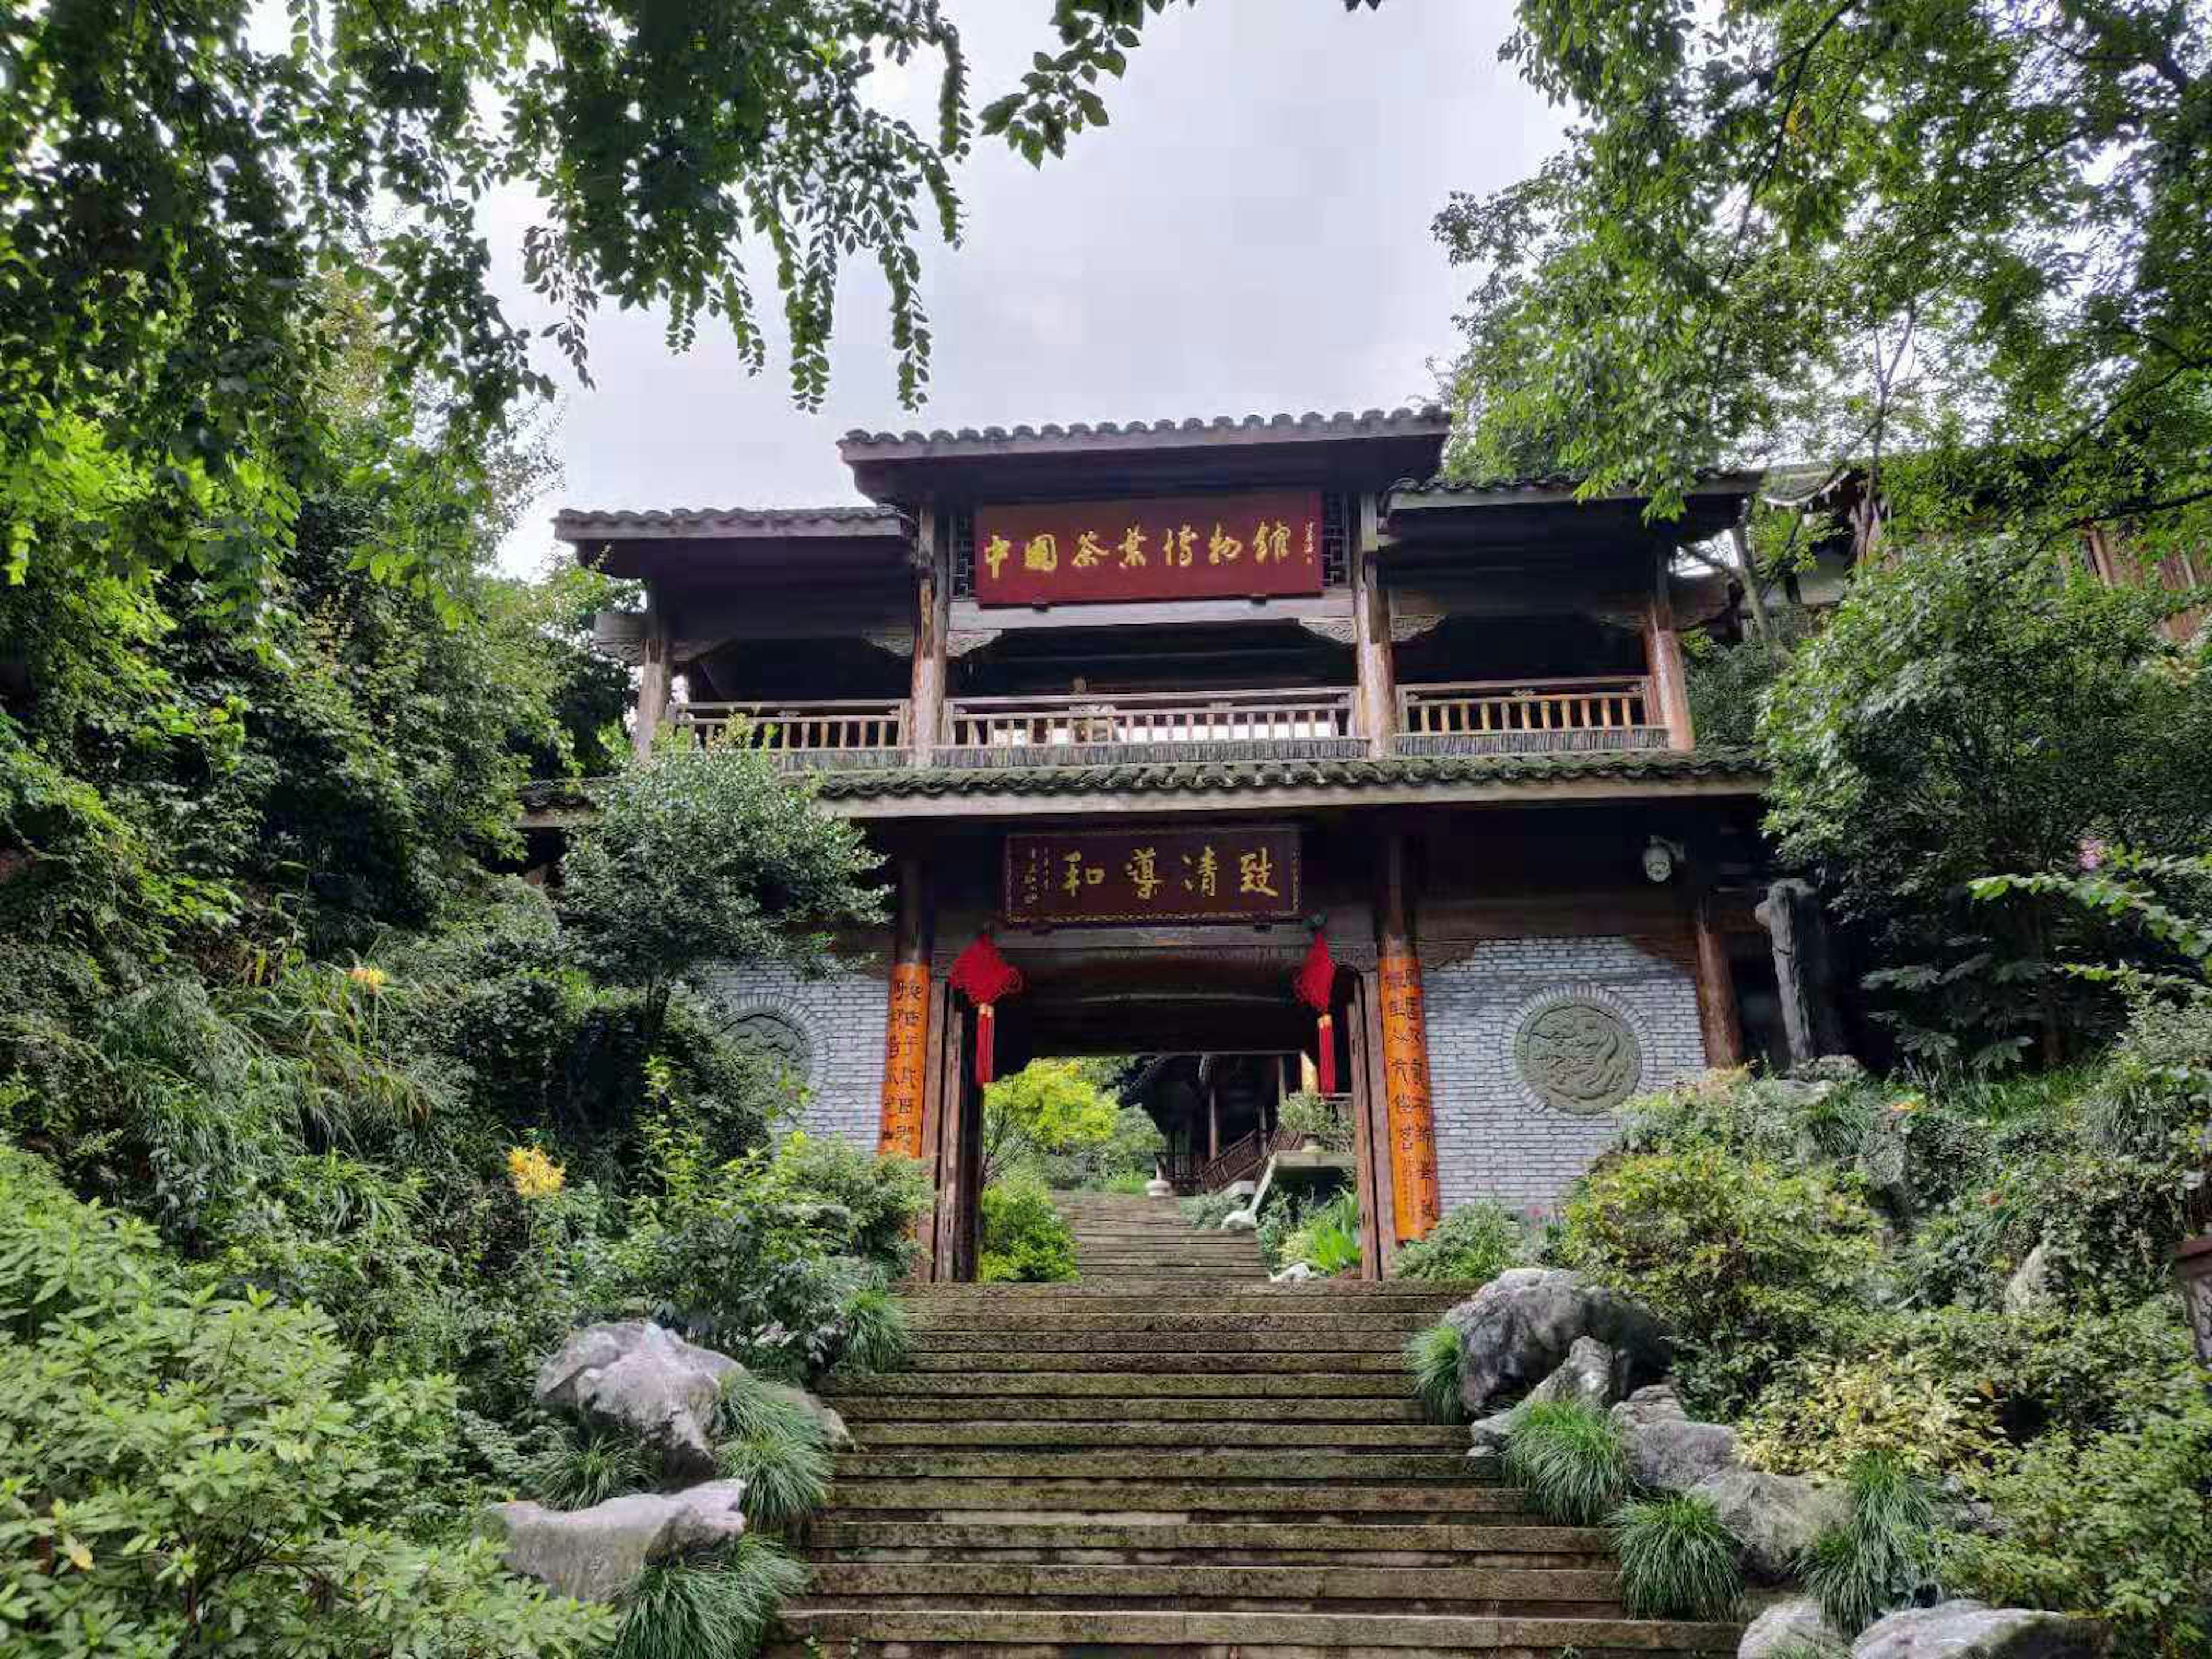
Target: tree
(1050, 1106)
(1965, 715)
(706, 855)
(1834, 230)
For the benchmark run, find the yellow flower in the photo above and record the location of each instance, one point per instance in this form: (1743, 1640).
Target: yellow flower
(533, 1173)
(370, 980)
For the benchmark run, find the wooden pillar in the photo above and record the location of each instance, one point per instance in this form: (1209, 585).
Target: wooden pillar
(1379, 1183)
(1803, 971)
(1716, 1010)
(933, 626)
(1663, 657)
(654, 675)
(906, 1022)
(1375, 703)
(1414, 1203)
(1213, 1118)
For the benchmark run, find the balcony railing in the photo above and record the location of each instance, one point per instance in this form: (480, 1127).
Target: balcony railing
(858, 735)
(1104, 729)
(1490, 717)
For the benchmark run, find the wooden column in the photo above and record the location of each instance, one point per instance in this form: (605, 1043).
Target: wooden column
(1663, 656)
(932, 625)
(1716, 1011)
(654, 675)
(1212, 1119)
(906, 1022)
(1376, 700)
(1414, 1203)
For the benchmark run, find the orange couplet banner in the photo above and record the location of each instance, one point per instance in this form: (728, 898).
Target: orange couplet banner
(906, 1058)
(1414, 1193)
(1253, 546)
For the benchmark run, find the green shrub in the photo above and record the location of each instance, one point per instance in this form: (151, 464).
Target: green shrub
(2118, 1524)
(877, 1336)
(717, 1608)
(2059, 1369)
(1473, 1245)
(1746, 1264)
(1883, 1557)
(1433, 1357)
(1023, 1238)
(236, 1443)
(1821, 1417)
(1317, 1118)
(1570, 1460)
(1677, 1559)
(1326, 1237)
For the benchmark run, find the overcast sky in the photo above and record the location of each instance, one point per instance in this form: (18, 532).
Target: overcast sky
(1250, 234)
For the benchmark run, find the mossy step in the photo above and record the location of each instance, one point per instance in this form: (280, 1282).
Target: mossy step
(1305, 1359)
(1134, 1410)
(928, 1634)
(1182, 1584)
(1324, 1338)
(1217, 1543)
(1293, 1464)
(1131, 1500)
(1005, 1380)
(988, 1432)
(1402, 1321)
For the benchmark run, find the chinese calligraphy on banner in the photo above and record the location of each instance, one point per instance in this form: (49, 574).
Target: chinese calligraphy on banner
(906, 1050)
(1415, 1197)
(1187, 547)
(1153, 875)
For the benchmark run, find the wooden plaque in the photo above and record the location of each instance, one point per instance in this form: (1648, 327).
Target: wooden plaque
(1246, 874)
(1259, 544)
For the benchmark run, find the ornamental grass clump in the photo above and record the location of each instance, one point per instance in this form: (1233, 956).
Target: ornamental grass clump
(876, 1332)
(1570, 1459)
(1677, 1559)
(1883, 1557)
(773, 1443)
(589, 1466)
(1433, 1357)
(717, 1608)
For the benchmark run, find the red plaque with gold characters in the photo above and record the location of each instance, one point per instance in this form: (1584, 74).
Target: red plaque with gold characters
(1256, 545)
(906, 1050)
(1242, 874)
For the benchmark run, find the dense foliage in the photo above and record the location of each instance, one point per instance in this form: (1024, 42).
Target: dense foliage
(1023, 1238)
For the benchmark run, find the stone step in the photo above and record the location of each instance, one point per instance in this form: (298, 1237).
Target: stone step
(1380, 1543)
(1293, 1463)
(980, 1431)
(1135, 1412)
(1349, 1499)
(1017, 1634)
(993, 1360)
(1400, 1322)
(1388, 1384)
(1574, 1592)
(1322, 1338)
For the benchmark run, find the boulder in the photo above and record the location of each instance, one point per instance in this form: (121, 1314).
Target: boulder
(1519, 1328)
(596, 1554)
(835, 1435)
(1795, 1629)
(1591, 1373)
(1775, 1517)
(1968, 1630)
(1667, 1450)
(2029, 1290)
(637, 1375)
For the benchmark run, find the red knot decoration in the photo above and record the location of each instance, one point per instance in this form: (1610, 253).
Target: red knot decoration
(1315, 986)
(984, 977)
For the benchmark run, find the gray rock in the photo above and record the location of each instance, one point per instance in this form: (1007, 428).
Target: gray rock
(1795, 1629)
(1667, 1450)
(636, 1375)
(2029, 1290)
(1968, 1630)
(1591, 1373)
(1775, 1517)
(1517, 1329)
(1491, 1435)
(596, 1554)
(835, 1435)
(1297, 1273)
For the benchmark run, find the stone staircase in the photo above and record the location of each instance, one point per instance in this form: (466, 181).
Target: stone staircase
(1174, 1458)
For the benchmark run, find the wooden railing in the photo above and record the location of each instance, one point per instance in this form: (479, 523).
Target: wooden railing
(1481, 716)
(855, 730)
(1242, 1159)
(1224, 723)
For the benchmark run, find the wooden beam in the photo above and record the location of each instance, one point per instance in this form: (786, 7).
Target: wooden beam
(932, 632)
(1717, 1017)
(1663, 654)
(655, 673)
(1378, 702)
(1374, 1111)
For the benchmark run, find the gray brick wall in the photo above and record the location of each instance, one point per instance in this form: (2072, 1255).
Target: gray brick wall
(843, 1018)
(1494, 1139)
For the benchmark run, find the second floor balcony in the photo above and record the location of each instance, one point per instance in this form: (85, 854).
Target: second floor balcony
(1475, 717)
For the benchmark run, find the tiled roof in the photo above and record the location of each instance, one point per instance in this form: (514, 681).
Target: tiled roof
(573, 522)
(1550, 482)
(1428, 419)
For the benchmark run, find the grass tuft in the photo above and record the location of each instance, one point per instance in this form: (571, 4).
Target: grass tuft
(711, 1609)
(1883, 1557)
(1433, 1357)
(773, 1445)
(1570, 1459)
(1677, 1559)
(590, 1465)
(876, 1333)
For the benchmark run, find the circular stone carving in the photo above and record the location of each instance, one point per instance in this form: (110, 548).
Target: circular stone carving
(776, 1037)
(1579, 1056)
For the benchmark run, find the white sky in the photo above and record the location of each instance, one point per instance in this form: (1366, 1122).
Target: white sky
(1250, 234)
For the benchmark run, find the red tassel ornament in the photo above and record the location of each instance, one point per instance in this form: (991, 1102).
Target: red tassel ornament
(983, 976)
(1315, 986)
